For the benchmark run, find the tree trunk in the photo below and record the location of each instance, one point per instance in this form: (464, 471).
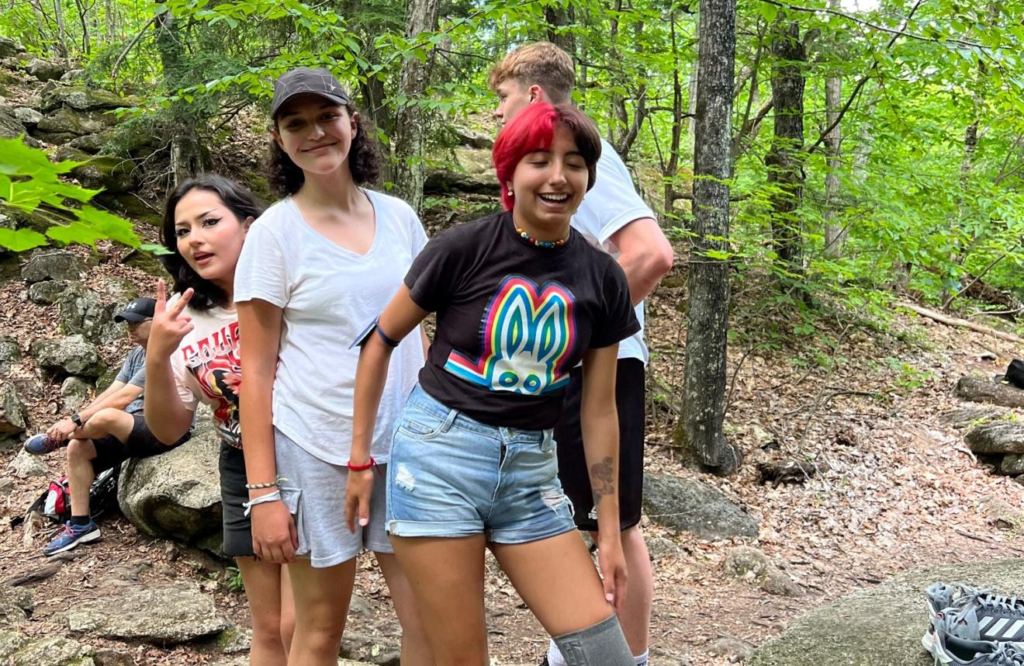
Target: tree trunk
(558, 17)
(700, 432)
(691, 108)
(62, 33)
(672, 168)
(409, 143)
(786, 156)
(187, 151)
(835, 234)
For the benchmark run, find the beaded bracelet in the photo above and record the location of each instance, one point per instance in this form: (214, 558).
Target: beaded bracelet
(263, 486)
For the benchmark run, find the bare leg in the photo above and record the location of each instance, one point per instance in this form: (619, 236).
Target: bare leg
(635, 616)
(321, 609)
(107, 422)
(447, 581)
(263, 585)
(557, 580)
(81, 453)
(415, 645)
(287, 610)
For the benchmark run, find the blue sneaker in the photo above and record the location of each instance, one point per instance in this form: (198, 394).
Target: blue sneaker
(40, 445)
(71, 536)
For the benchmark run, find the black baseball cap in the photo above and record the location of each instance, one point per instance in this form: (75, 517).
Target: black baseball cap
(138, 310)
(305, 80)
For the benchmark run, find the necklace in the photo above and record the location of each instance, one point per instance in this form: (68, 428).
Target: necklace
(542, 243)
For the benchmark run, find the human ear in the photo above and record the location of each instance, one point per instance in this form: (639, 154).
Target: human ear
(355, 124)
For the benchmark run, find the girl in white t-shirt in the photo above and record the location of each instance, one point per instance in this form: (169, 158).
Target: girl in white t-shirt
(193, 358)
(316, 268)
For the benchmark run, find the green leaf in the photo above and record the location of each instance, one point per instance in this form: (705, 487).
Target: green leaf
(21, 240)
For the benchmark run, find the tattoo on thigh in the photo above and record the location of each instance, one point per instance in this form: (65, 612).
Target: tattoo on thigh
(602, 479)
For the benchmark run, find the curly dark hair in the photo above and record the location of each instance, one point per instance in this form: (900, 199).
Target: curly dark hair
(286, 178)
(238, 200)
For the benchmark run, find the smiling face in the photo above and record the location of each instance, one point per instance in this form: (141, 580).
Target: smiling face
(315, 133)
(548, 185)
(209, 236)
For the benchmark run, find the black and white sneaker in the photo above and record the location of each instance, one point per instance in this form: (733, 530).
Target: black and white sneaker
(977, 614)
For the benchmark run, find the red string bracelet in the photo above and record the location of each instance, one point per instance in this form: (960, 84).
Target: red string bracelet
(362, 468)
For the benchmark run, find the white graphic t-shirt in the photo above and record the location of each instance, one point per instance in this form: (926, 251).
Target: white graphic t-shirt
(207, 368)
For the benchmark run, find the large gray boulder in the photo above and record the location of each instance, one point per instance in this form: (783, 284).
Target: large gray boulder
(10, 47)
(164, 615)
(68, 356)
(83, 311)
(74, 393)
(997, 437)
(84, 98)
(985, 389)
(44, 70)
(25, 465)
(472, 171)
(52, 265)
(10, 352)
(28, 117)
(47, 292)
(13, 416)
(176, 495)
(692, 506)
(882, 625)
(65, 124)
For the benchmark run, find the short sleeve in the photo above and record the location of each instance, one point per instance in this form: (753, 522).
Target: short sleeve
(431, 278)
(124, 375)
(188, 398)
(139, 378)
(262, 270)
(620, 320)
(613, 202)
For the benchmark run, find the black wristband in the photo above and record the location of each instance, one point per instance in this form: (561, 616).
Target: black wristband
(77, 419)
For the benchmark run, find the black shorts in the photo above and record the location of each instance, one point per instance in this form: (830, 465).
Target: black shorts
(572, 463)
(237, 526)
(111, 452)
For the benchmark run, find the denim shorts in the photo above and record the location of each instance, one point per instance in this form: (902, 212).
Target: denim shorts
(451, 476)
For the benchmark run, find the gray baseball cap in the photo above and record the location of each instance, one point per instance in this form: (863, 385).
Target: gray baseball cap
(305, 80)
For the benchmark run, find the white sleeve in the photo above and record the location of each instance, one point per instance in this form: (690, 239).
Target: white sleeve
(181, 374)
(613, 202)
(262, 270)
(417, 236)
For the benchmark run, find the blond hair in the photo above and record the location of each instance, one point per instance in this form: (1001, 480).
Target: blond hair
(542, 64)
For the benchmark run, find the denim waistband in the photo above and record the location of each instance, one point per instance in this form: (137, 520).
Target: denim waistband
(425, 402)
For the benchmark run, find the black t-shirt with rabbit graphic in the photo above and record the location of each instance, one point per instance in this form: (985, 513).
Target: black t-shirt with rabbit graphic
(513, 319)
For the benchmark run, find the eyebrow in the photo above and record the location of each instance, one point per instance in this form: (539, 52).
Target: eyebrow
(327, 104)
(198, 217)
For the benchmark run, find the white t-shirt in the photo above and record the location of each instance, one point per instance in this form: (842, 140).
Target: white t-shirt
(329, 295)
(609, 206)
(205, 365)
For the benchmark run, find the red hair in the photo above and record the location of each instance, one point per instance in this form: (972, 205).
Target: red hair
(533, 129)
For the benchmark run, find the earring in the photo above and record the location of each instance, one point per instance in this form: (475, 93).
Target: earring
(511, 193)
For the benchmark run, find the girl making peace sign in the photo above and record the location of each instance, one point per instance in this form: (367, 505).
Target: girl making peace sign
(193, 357)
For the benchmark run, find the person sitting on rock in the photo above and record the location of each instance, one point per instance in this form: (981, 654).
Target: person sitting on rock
(108, 431)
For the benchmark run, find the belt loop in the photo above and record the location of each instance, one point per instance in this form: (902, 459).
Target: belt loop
(449, 420)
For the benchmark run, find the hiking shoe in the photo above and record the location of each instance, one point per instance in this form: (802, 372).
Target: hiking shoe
(977, 614)
(40, 445)
(950, 650)
(70, 536)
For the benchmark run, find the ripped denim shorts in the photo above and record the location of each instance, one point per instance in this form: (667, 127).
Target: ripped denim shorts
(451, 476)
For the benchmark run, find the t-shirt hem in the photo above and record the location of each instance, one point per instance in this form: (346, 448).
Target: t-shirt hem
(342, 460)
(242, 297)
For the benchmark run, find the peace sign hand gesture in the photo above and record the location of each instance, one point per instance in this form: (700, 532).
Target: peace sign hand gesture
(169, 325)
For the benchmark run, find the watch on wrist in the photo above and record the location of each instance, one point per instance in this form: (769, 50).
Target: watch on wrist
(77, 419)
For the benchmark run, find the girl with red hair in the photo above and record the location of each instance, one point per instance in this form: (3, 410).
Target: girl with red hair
(521, 299)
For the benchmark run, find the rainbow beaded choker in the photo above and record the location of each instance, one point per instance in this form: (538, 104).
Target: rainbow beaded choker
(542, 243)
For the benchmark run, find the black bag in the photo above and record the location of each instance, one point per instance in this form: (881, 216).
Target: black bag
(1015, 373)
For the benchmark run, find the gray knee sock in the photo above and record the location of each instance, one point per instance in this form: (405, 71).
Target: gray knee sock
(600, 645)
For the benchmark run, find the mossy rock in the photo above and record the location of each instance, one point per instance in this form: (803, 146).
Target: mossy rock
(127, 204)
(92, 143)
(146, 262)
(112, 174)
(68, 121)
(10, 47)
(83, 98)
(10, 127)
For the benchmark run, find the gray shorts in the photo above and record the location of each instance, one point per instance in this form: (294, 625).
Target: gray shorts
(314, 493)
